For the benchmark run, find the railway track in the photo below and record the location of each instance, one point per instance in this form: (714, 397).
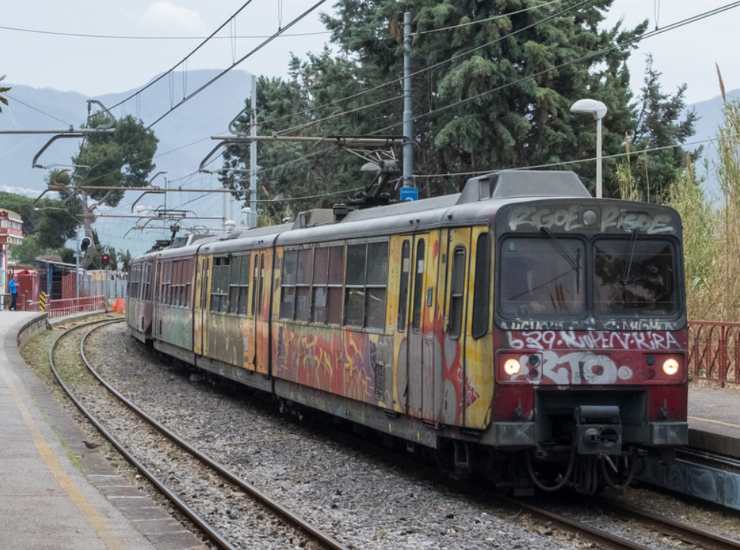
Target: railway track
(697, 537)
(209, 468)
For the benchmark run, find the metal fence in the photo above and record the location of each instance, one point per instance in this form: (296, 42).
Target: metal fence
(714, 351)
(71, 306)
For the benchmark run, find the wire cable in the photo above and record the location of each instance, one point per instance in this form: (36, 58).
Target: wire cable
(147, 37)
(237, 62)
(39, 110)
(184, 59)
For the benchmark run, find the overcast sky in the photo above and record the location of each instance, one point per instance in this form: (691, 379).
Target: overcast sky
(97, 66)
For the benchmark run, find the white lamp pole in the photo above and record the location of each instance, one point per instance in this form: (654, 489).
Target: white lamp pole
(598, 110)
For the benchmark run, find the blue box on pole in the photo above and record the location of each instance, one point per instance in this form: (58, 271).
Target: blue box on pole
(409, 193)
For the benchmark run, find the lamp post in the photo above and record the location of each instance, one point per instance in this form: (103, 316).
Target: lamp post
(598, 110)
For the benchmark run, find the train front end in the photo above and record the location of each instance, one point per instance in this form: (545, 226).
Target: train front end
(590, 363)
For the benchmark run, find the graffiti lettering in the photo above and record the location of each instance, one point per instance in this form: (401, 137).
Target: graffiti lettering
(580, 367)
(604, 340)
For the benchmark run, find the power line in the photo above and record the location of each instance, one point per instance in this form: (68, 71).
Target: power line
(184, 59)
(569, 162)
(486, 20)
(238, 61)
(39, 110)
(667, 28)
(147, 37)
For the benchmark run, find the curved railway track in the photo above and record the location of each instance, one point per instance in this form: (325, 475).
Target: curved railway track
(215, 470)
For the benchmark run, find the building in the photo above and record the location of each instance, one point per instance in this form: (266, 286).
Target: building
(11, 234)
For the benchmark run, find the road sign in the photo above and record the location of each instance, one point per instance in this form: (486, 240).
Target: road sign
(409, 193)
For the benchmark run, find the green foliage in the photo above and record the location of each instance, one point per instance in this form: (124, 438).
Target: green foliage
(52, 222)
(659, 124)
(122, 158)
(3, 90)
(28, 250)
(126, 259)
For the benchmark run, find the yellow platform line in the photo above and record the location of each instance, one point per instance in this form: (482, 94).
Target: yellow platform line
(93, 517)
(711, 421)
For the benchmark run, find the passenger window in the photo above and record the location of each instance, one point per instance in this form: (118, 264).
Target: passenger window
(457, 292)
(287, 299)
(418, 283)
(403, 287)
(334, 290)
(320, 278)
(365, 294)
(303, 288)
(482, 286)
(220, 283)
(239, 285)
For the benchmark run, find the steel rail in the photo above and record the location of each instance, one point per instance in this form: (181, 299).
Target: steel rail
(274, 506)
(596, 535)
(671, 527)
(180, 505)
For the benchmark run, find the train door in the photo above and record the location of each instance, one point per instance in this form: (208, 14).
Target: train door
(262, 287)
(452, 398)
(200, 303)
(419, 353)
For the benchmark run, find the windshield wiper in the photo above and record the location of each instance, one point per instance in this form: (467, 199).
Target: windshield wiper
(574, 263)
(628, 267)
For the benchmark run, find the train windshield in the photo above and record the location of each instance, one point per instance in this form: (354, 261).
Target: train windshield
(542, 276)
(634, 276)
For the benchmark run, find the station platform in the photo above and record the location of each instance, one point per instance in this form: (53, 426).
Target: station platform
(50, 496)
(714, 419)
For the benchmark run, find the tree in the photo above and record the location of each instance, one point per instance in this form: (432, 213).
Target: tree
(126, 260)
(3, 91)
(122, 158)
(660, 124)
(51, 221)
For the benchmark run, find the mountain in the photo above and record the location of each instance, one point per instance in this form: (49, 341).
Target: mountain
(205, 115)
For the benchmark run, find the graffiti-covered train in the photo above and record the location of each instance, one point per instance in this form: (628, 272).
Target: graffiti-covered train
(520, 328)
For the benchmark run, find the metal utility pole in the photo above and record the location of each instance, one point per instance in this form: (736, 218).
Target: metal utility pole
(252, 222)
(409, 192)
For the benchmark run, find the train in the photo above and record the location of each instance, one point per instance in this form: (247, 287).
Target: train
(520, 329)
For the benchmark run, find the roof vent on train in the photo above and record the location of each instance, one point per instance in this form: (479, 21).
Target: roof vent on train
(313, 217)
(512, 184)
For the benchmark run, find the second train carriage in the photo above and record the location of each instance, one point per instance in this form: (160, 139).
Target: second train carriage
(520, 316)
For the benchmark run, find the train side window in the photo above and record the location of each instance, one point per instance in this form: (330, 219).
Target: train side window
(304, 275)
(320, 280)
(482, 286)
(403, 287)
(418, 283)
(334, 297)
(287, 294)
(354, 301)
(457, 292)
(377, 279)
(239, 285)
(255, 278)
(220, 283)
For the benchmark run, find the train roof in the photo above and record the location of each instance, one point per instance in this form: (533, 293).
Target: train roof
(477, 203)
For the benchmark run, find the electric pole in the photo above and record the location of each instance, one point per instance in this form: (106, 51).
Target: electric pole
(409, 192)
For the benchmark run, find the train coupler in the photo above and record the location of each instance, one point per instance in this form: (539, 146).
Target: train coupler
(598, 430)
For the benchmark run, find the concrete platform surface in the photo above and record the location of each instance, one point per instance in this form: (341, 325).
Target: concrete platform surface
(45, 502)
(714, 419)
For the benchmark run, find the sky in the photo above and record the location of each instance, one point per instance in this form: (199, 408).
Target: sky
(98, 66)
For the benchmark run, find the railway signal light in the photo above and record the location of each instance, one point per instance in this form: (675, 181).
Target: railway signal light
(105, 260)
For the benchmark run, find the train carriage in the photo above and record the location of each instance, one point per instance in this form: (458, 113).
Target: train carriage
(520, 321)
(139, 310)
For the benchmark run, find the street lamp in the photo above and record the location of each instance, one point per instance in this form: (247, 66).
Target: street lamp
(597, 109)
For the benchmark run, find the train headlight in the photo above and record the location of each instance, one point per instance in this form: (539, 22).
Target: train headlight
(670, 366)
(512, 367)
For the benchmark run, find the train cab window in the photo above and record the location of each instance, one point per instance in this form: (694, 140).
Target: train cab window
(367, 276)
(287, 294)
(239, 285)
(542, 276)
(220, 283)
(304, 276)
(635, 276)
(403, 286)
(418, 283)
(457, 292)
(481, 286)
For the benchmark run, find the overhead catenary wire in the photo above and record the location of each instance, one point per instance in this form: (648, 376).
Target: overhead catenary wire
(246, 56)
(145, 37)
(38, 110)
(184, 59)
